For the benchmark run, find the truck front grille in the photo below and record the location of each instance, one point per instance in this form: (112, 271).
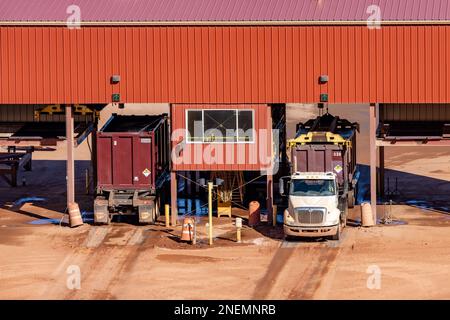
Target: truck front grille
(310, 215)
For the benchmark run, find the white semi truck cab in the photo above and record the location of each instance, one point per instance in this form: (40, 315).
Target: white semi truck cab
(324, 176)
(314, 205)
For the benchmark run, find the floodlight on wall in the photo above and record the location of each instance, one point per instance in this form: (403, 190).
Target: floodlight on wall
(323, 79)
(115, 79)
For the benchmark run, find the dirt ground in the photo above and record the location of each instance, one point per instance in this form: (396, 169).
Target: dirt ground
(127, 261)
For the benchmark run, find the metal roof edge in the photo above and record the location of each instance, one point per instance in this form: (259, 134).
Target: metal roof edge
(225, 23)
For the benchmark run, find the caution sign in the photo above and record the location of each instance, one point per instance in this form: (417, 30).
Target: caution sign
(146, 172)
(338, 168)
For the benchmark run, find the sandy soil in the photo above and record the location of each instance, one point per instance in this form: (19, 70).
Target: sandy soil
(126, 261)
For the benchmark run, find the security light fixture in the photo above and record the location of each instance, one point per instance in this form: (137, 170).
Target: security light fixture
(323, 79)
(115, 79)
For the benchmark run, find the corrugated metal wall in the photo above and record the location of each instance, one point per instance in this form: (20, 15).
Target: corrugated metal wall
(225, 64)
(230, 156)
(415, 112)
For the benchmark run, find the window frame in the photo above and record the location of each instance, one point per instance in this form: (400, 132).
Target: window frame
(188, 141)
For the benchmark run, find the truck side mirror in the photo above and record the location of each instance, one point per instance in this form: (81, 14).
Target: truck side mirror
(284, 186)
(281, 186)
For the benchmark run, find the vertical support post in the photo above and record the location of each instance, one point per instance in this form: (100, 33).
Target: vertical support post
(269, 189)
(166, 213)
(373, 158)
(70, 156)
(94, 151)
(274, 215)
(210, 230)
(269, 198)
(188, 184)
(174, 197)
(14, 169)
(197, 187)
(382, 172)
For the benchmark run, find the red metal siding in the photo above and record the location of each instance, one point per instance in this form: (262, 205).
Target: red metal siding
(232, 64)
(240, 157)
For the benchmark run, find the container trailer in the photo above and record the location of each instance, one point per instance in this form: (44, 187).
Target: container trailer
(323, 180)
(133, 157)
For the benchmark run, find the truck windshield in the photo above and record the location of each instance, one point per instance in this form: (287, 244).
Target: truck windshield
(312, 187)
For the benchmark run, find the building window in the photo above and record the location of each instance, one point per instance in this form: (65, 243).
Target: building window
(220, 126)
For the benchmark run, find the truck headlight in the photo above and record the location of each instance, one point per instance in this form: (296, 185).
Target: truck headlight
(288, 218)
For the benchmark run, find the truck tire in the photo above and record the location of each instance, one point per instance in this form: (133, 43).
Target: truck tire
(104, 220)
(344, 217)
(101, 211)
(146, 214)
(337, 236)
(155, 211)
(351, 199)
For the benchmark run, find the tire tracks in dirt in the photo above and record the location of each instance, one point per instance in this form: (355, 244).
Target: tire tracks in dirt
(297, 270)
(106, 267)
(311, 278)
(101, 263)
(279, 260)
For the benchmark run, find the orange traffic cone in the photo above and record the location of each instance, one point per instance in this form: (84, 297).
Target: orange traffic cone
(75, 218)
(187, 232)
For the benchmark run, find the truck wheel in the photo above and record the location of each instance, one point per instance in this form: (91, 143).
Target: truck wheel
(146, 214)
(102, 219)
(101, 212)
(351, 199)
(337, 236)
(344, 217)
(155, 212)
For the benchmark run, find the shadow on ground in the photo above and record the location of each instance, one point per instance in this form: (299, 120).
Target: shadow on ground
(408, 189)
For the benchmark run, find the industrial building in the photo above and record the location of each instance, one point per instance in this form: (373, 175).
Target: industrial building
(209, 58)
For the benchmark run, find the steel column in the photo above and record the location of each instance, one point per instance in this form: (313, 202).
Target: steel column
(173, 197)
(269, 189)
(373, 158)
(382, 172)
(269, 198)
(70, 156)
(94, 152)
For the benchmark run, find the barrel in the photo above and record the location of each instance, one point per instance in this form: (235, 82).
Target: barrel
(254, 213)
(75, 218)
(187, 232)
(367, 215)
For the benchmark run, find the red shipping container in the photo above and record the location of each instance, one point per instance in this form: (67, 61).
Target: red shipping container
(132, 153)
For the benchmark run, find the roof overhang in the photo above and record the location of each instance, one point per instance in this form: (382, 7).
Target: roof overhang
(225, 23)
